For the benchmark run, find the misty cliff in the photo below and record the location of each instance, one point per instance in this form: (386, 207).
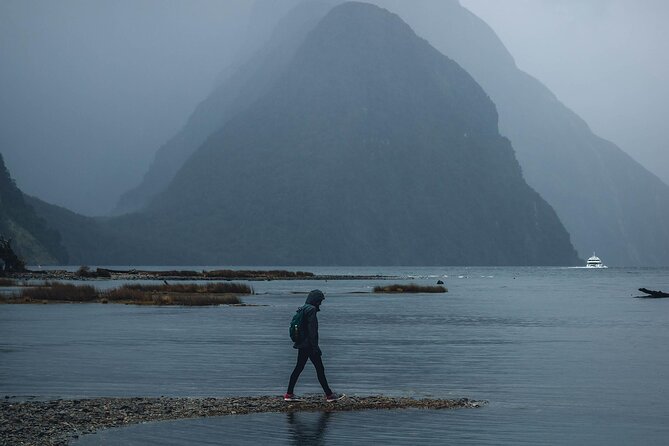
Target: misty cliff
(606, 200)
(372, 148)
(105, 241)
(235, 93)
(32, 239)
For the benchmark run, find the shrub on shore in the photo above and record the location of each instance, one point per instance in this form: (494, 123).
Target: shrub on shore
(85, 271)
(410, 288)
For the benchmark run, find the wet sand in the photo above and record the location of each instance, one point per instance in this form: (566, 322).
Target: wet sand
(57, 422)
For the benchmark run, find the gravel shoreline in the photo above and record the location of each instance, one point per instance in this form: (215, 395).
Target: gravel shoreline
(59, 421)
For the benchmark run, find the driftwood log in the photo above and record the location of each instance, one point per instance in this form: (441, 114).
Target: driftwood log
(654, 293)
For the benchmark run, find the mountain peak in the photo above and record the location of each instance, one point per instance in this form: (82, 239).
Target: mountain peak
(353, 32)
(363, 16)
(372, 148)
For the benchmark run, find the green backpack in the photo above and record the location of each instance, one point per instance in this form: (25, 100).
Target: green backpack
(297, 328)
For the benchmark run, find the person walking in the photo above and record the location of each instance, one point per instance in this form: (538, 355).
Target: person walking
(307, 348)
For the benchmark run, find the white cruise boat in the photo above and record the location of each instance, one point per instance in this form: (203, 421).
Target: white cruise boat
(594, 262)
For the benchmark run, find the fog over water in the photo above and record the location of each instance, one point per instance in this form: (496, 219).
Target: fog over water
(89, 90)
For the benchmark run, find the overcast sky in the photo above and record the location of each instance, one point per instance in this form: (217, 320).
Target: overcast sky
(89, 89)
(608, 60)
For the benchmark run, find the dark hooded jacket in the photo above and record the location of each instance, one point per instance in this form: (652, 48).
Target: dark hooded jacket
(310, 308)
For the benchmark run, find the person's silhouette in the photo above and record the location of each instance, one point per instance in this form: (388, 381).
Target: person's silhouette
(307, 348)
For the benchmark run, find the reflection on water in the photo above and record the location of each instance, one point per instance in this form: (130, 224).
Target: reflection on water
(501, 424)
(565, 356)
(303, 430)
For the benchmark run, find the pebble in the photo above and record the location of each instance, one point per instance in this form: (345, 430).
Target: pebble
(55, 423)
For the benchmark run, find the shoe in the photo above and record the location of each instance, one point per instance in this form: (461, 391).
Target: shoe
(333, 397)
(291, 397)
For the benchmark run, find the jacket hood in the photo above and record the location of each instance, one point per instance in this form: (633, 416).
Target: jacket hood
(315, 298)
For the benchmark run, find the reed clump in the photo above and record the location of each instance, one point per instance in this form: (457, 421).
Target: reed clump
(58, 292)
(178, 273)
(194, 300)
(137, 297)
(256, 274)
(410, 288)
(181, 294)
(215, 288)
(124, 294)
(7, 282)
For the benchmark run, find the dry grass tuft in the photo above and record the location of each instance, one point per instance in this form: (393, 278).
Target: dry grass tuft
(195, 300)
(125, 294)
(213, 288)
(59, 292)
(178, 273)
(185, 294)
(256, 274)
(7, 282)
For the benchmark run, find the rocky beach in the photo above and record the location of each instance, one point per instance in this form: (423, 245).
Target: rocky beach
(57, 422)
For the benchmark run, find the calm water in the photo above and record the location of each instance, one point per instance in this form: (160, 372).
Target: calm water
(564, 356)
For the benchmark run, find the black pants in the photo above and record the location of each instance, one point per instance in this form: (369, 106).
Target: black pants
(302, 355)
